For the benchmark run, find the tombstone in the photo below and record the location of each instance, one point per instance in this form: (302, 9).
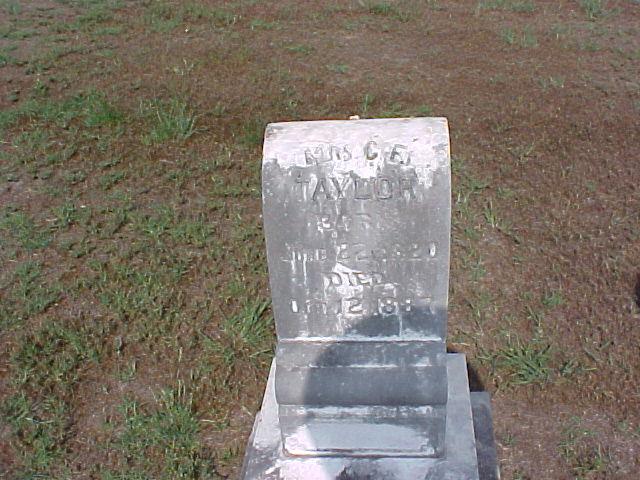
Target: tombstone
(357, 225)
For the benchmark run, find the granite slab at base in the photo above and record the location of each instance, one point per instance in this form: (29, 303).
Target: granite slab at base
(485, 440)
(363, 431)
(265, 458)
(397, 373)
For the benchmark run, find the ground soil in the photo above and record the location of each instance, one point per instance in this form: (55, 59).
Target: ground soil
(543, 104)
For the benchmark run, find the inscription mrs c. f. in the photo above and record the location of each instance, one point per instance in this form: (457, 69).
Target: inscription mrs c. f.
(398, 153)
(327, 153)
(393, 153)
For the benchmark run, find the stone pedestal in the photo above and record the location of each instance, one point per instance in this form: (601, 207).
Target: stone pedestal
(266, 456)
(357, 223)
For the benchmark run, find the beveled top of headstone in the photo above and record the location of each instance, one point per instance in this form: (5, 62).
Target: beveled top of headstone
(357, 224)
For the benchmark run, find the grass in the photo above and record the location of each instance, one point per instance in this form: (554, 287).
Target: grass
(246, 337)
(46, 366)
(163, 223)
(339, 68)
(111, 179)
(524, 38)
(589, 45)
(250, 327)
(160, 440)
(142, 296)
(394, 110)
(524, 363)
(594, 9)
(300, 48)
(172, 120)
(252, 133)
(49, 57)
(553, 299)
(367, 101)
(519, 6)
(467, 192)
(97, 14)
(97, 111)
(581, 450)
(493, 220)
(73, 177)
(481, 306)
(35, 296)
(40, 429)
(50, 360)
(90, 108)
(261, 24)
(397, 109)
(6, 58)
(133, 297)
(388, 9)
(20, 230)
(162, 16)
(14, 33)
(248, 234)
(11, 7)
(381, 8)
(551, 82)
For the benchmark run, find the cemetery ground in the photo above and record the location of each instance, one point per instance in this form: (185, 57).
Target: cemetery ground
(135, 324)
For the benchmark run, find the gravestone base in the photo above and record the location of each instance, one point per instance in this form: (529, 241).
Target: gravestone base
(363, 431)
(469, 452)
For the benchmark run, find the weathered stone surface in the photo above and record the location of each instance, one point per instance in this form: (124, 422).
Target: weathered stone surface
(363, 431)
(357, 220)
(361, 373)
(266, 457)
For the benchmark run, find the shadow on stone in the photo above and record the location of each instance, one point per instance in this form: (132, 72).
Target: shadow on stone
(637, 290)
(375, 401)
(476, 384)
(398, 366)
(367, 395)
(350, 473)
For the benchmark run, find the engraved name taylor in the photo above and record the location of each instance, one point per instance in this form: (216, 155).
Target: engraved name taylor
(380, 187)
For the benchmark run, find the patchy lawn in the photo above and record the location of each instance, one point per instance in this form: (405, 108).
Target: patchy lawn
(134, 312)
